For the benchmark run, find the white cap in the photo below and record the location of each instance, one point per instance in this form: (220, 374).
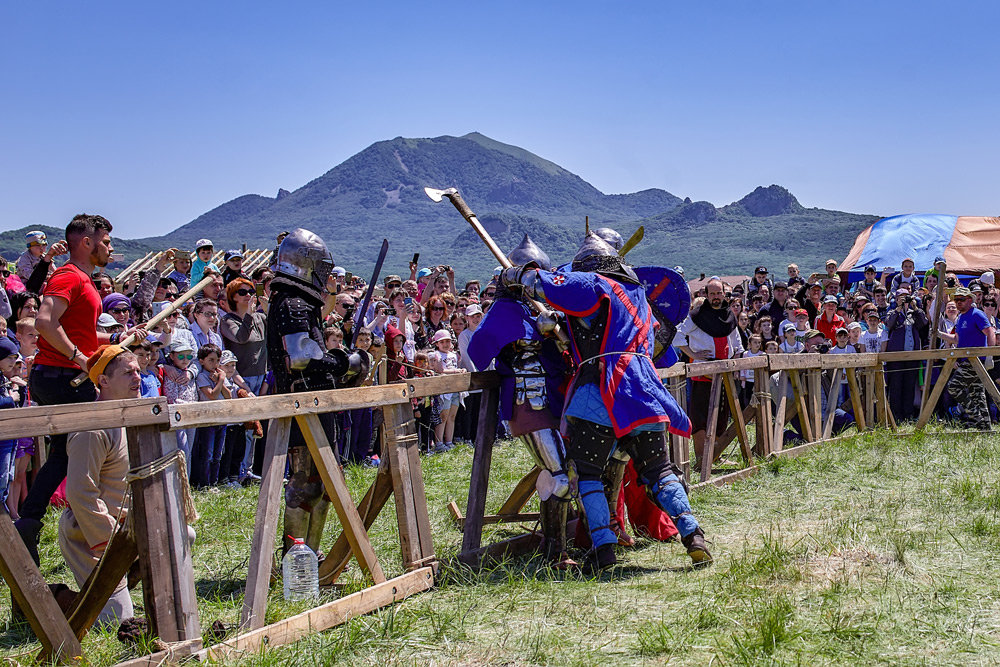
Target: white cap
(987, 278)
(203, 243)
(106, 320)
(227, 358)
(474, 309)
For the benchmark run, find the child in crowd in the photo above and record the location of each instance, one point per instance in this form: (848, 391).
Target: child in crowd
(26, 447)
(204, 250)
(180, 386)
(875, 337)
(11, 396)
(146, 356)
(772, 347)
(801, 324)
(843, 346)
(234, 450)
(756, 343)
(854, 336)
(790, 344)
(334, 337)
(213, 385)
(444, 360)
(27, 338)
(425, 410)
(359, 439)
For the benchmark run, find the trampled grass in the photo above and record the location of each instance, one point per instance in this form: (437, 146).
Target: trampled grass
(882, 548)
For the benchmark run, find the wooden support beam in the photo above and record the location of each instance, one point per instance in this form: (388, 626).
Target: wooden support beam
(67, 418)
(512, 547)
(832, 402)
(815, 395)
(323, 617)
(446, 384)
(885, 417)
(521, 494)
(708, 451)
(856, 403)
(737, 412)
(805, 421)
(870, 396)
(730, 433)
(340, 496)
(722, 480)
(161, 535)
(33, 596)
(475, 509)
(121, 552)
(703, 368)
(939, 387)
(269, 502)
(408, 487)
(762, 425)
(778, 436)
(338, 556)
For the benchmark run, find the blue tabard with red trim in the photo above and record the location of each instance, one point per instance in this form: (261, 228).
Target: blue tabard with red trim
(631, 391)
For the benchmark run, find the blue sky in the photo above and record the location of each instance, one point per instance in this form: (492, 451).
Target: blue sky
(153, 113)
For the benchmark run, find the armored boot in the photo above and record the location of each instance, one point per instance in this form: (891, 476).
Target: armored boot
(697, 549)
(600, 559)
(554, 512)
(614, 474)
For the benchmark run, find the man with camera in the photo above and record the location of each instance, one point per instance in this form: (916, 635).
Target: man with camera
(906, 327)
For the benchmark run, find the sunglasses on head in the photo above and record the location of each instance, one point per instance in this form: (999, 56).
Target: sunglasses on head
(244, 292)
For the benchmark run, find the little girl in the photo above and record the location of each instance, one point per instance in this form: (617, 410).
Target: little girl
(180, 386)
(445, 361)
(425, 410)
(746, 376)
(213, 385)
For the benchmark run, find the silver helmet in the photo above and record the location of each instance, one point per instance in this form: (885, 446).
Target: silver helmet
(613, 238)
(303, 256)
(598, 256)
(528, 252)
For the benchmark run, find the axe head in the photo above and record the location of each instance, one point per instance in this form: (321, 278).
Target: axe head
(437, 195)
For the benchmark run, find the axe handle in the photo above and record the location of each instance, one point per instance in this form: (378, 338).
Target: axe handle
(467, 213)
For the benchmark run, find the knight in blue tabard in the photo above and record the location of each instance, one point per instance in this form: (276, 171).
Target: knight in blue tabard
(533, 374)
(615, 398)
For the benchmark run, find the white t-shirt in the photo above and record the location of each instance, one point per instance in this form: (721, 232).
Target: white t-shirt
(748, 374)
(872, 340)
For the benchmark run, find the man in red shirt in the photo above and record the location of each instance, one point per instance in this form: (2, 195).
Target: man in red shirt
(828, 320)
(67, 325)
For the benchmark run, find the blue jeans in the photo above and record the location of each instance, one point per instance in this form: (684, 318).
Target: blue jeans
(254, 382)
(185, 443)
(209, 443)
(8, 448)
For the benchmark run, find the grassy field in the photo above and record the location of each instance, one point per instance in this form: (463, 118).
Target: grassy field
(884, 548)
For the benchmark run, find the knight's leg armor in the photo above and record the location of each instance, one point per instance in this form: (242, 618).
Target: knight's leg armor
(664, 487)
(614, 475)
(588, 448)
(305, 504)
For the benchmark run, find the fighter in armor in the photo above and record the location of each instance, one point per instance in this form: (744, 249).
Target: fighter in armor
(616, 398)
(301, 362)
(533, 373)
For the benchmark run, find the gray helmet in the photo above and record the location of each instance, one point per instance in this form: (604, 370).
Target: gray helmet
(529, 252)
(613, 238)
(598, 256)
(303, 256)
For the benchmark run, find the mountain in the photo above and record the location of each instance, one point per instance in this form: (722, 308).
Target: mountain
(379, 193)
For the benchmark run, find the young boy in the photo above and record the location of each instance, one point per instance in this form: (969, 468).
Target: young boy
(209, 440)
(854, 336)
(875, 337)
(27, 337)
(147, 357)
(843, 346)
(205, 250)
(790, 343)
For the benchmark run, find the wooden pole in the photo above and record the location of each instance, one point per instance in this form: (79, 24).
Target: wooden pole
(805, 420)
(161, 536)
(708, 450)
(856, 402)
(402, 445)
(938, 308)
(942, 381)
(475, 509)
(778, 436)
(737, 412)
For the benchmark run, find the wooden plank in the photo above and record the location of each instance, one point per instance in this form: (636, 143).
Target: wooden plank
(855, 390)
(703, 368)
(121, 552)
(323, 617)
(209, 413)
(675, 371)
(397, 437)
(805, 422)
(831, 402)
(339, 555)
(722, 480)
(67, 418)
(870, 396)
(778, 436)
(170, 656)
(762, 426)
(865, 360)
(512, 547)
(419, 494)
(815, 394)
(737, 412)
(161, 536)
(495, 519)
(984, 377)
(472, 535)
(787, 362)
(340, 497)
(33, 596)
(447, 384)
(708, 451)
(947, 353)
(881, 400)
(269, 502)
(939, 387)
(521, 494)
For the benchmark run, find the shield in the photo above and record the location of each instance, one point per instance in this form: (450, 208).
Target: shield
(670, 299)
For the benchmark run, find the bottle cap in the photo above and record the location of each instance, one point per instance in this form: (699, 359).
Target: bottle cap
(296, 540)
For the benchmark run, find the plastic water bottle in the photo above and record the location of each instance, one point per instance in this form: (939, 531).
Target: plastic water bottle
(300, 572)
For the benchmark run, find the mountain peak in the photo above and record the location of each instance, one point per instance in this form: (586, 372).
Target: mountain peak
(772, 200)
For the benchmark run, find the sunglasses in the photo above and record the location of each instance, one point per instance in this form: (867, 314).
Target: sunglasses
(171, 295)
(437, 307)
(449, 303)
(244, 292)
(184, 356)
(118, 311)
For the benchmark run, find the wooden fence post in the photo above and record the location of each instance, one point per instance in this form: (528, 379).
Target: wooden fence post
(161, 536)
(402, 445)
(475, 509)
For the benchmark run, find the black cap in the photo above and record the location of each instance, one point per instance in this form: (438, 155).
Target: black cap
(760, 269)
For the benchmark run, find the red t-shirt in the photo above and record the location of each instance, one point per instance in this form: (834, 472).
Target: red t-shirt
(829, 329)
(80, 319)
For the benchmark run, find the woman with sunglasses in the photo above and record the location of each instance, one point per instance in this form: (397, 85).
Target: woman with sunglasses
(436, 317)
(119, 307)
(243, 329)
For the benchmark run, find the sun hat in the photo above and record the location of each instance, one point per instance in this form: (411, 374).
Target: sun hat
(442, 334)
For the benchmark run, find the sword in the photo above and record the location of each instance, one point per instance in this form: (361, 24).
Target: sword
(463, 208)
(368, 293)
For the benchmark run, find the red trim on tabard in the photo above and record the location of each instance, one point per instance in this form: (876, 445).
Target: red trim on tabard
(658, 290)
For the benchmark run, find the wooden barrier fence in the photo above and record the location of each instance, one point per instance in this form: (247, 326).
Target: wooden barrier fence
(160, 539)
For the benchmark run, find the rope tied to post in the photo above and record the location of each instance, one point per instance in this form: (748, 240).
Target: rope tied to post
(162, 464)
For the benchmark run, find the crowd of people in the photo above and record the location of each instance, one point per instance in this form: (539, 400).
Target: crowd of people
(56, 323)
